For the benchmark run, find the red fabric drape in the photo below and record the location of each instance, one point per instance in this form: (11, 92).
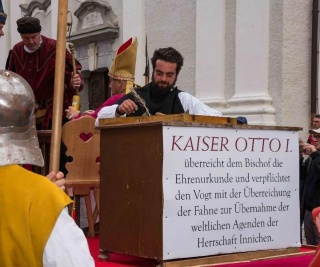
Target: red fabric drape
(118, 260)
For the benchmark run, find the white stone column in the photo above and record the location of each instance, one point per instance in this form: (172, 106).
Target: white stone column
(134, 26)
(210, 52)
(251, 97)
(54, 18)
(7, 35)
(11, 35)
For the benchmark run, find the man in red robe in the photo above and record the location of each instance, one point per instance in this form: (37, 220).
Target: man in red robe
(34, 59)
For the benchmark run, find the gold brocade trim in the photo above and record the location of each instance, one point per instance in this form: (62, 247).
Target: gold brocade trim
(119, 76)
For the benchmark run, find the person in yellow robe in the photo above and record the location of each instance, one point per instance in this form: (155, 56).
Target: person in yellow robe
(35, 226)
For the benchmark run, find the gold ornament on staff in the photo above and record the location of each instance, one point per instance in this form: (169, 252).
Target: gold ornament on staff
(71, 47)
(76, 97)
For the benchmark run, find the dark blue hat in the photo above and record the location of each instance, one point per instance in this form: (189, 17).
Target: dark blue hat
(3, 16)
(242, 120)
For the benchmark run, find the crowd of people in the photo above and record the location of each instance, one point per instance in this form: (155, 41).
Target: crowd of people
(61, 241)
(310, 181)
(35, 79)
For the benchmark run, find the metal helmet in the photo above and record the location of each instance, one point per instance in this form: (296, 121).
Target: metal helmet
(18, 136)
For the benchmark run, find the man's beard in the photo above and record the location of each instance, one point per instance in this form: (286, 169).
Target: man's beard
(161, 88)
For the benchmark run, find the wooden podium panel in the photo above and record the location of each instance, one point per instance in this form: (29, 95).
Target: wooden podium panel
(131, 181)
(135, 208)
(176, 119)
(131, 191)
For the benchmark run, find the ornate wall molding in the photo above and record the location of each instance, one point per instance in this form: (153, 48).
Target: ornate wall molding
(28, 9)
(97, 22)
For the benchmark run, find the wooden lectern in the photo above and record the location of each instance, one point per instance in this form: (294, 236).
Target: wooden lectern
(134, 204)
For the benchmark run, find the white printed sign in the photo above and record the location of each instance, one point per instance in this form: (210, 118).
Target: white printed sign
(229, 191)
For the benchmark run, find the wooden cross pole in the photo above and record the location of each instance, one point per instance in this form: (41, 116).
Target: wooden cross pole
(58, 86)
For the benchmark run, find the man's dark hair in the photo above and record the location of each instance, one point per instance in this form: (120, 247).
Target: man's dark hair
(168, 54)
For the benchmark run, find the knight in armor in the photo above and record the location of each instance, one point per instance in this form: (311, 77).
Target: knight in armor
(36, 229)
(161, 96)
